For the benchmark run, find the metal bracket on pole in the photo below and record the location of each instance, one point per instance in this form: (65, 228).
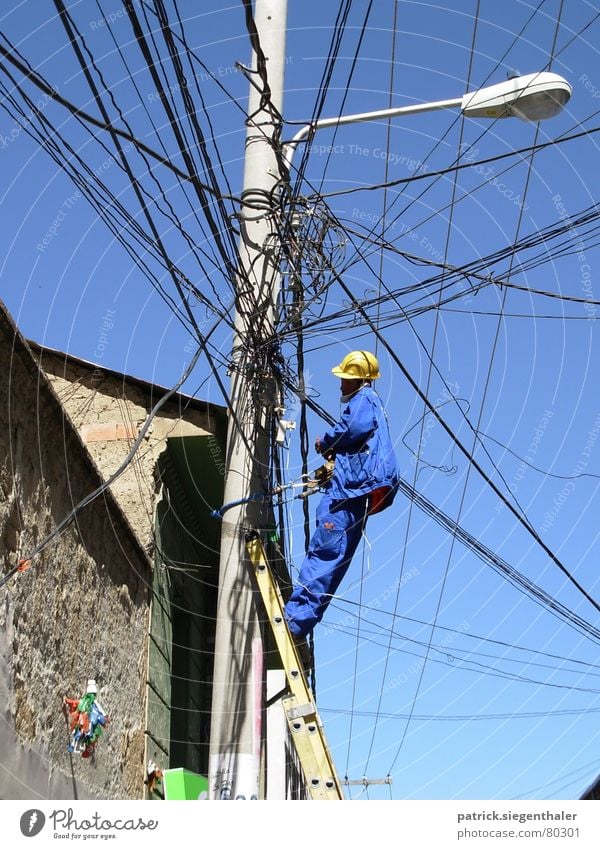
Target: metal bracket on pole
(306, 729)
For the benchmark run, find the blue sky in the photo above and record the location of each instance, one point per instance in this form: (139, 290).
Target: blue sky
(480, 692)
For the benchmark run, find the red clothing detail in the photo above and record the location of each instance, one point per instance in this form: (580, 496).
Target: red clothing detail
(377, 499)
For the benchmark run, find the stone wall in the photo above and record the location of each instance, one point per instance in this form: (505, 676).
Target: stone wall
(80, 611)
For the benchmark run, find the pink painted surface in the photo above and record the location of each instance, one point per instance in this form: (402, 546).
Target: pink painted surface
(257, 680)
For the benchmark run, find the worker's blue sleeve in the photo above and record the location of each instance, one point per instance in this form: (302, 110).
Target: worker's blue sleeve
(355, 426)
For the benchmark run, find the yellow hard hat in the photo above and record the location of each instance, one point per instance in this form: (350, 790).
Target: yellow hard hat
(358, 365)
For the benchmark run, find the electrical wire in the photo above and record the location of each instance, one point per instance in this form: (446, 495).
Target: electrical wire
(338, 32)
(475, 717)
(35, 78)
(73, 35)
(462, 166)
(201, 190)
(101, 199)
(585, 667)
(171, 215)
(463, 152)
(521, 512)
(476, 667)
(422, 425)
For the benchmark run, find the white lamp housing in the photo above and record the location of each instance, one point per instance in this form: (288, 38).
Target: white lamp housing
(531, 98)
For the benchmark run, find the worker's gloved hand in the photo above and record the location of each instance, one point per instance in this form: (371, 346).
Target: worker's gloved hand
(319, 445)
(325, 472)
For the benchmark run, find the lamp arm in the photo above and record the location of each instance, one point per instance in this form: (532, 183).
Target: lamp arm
(289, 148)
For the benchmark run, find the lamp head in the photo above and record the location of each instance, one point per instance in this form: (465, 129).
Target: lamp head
(532, 97)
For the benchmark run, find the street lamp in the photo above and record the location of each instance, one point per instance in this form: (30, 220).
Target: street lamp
(532, 97)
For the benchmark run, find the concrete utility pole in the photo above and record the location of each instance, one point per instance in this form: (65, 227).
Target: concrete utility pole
(237, 706)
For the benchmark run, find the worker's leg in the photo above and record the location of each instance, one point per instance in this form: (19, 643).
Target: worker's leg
(338, 532)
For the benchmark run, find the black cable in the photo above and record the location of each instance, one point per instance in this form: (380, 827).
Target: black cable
(461, 166)
(103, 208)
(261, 59)
(492, 717)
(488, 128)
(200, 142)
(345, 603)
(552, 231)
(65, 18)
(414, 228)
(171, 216)
(201, 190)
(111, 203)
(526, 462)
(555, 780)
(193, 55)
(577, 34)
(35, 78)
(442, 138)
(480, 669)
(522, 521)
(530, 316)
(71, 33)
(137, 183)
(200, 95)
(325, 82)
(386, 171)
(555, 295)
(347, 86)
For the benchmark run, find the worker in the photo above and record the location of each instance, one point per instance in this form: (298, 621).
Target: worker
(364, 481)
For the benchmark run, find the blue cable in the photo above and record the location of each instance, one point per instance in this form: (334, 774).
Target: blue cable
(218, 513)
